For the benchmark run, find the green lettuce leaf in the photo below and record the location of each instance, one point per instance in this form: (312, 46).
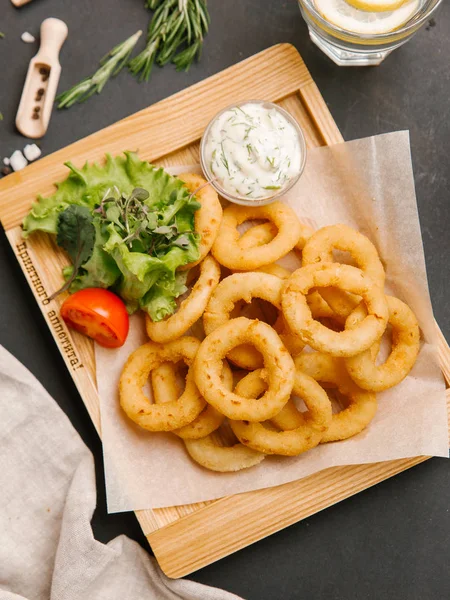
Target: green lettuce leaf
(101, 269)
(139, 271)
(142, 273)
(159, 301)
(87, 186)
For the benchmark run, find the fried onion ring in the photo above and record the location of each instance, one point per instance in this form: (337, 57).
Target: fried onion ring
(405, 348)
(255, 310)
(258, 235)
(300, 321)
(277, 361)
(264, 233)
(292, 341)
(190, 309)
(261, 234)
(362, 405)
(228, 252)
(208, 217)
(293, 441)
(288, 417)
(245, 286)
(209, 454)
(159, 417)
(275, 269)
(319, 248)
(318, 306)
(166, 389)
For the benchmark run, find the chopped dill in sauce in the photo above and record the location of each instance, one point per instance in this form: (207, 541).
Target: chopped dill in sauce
(253, 151)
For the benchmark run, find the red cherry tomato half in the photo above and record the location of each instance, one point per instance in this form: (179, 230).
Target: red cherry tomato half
(99, 314)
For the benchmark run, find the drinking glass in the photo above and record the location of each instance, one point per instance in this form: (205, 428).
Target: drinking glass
(356, 49)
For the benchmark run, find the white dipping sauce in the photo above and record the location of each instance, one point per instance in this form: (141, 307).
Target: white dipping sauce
(253, 151)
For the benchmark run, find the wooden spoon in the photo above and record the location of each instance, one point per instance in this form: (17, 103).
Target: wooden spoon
(36, 103)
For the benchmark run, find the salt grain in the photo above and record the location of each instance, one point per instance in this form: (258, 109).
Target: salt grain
(18, 160)
(27, 37)
(32, 152)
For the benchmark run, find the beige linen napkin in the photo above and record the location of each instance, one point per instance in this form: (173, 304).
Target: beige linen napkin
(47, 498)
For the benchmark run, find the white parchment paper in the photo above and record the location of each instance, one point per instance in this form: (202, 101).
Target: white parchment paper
(367, 184)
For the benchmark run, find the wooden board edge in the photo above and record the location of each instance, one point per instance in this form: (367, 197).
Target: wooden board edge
(186, 545)
(319, 114)
(209, 534)
(444, 354)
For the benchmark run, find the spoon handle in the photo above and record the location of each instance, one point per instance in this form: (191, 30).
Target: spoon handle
(53, 36)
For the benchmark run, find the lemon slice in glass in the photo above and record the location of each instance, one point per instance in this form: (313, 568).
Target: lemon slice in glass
(376, 5)
(344, 15)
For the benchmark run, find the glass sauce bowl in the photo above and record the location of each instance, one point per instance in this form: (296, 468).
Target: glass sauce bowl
(236, 198)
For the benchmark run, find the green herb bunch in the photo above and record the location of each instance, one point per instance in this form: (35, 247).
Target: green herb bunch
(111, 65)
(175, 34)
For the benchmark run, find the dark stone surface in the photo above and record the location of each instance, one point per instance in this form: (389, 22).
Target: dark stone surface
(391, 541)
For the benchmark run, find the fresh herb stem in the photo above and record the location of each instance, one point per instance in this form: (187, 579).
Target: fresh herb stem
(142, 64)
(246, 115)
(224, 159)
(247, 131)
(111, 64)
(65, 287)
(175, 34)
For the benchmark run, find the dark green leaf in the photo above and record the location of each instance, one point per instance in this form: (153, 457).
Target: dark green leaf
(76, 234)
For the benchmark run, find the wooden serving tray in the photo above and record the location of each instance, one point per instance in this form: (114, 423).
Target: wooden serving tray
(186, 538)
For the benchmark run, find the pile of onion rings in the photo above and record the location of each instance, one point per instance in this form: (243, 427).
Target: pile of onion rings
(256, 340)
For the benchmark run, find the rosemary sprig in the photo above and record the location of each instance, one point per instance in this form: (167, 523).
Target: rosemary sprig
(175, 34)
(111, 64)
(142, 64)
